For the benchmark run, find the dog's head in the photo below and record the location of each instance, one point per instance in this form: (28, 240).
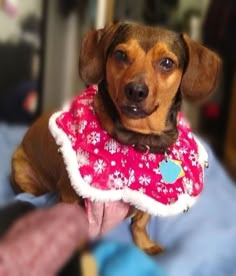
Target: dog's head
(143, 72)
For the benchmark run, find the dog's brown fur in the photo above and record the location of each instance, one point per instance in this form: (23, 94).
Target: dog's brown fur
(137, 103)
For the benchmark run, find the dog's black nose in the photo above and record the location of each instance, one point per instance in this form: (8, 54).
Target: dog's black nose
(136, 92)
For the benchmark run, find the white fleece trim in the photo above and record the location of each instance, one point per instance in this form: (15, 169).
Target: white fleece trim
(139, 200)
(203, 155)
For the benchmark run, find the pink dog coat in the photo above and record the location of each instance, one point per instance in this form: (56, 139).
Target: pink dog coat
(111, 176)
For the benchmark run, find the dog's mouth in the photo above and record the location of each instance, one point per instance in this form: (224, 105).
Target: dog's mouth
(133, 111)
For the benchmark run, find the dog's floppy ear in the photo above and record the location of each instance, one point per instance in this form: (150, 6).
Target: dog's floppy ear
(93, 54)
(202, 71)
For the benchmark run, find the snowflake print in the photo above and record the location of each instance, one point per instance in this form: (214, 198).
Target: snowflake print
(107, 165)
(94, 87)
(140, 165)
(177, 154)
(144, 157)
(99, 166)
(178, 143)
(79, 112)
(162, 181)
(193, 157)
(96, 151)
(183, 150)
(179, 190)
(124, 150)
(188, 185)
(118, 180)
(72, 139)
(91, 108)
(71, 127)
(82, 158)
(93, 125)
(86, 101)
(165, 190)
(118, 183)
(112, 146)
(82, 125)
(151, 157)
(171, 200)
(184, 123)
(170, 156)
(123, 162)
(190, 135)
(131, 177)
(93, 138)
(156, 170)
(113, 163)
(142, 190)
(144, 180)
(160, 187)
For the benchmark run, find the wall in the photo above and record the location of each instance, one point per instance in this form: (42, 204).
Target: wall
(185, 5)
(10, 25)
(61, 58)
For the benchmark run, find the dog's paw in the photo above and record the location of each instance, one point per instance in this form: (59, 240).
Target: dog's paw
(154, 249)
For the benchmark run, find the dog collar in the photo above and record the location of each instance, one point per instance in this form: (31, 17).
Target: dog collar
(102, 169)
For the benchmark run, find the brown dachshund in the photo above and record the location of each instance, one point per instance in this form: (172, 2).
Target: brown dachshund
(142, 74)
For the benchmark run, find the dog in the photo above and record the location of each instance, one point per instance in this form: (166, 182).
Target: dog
(142, 73)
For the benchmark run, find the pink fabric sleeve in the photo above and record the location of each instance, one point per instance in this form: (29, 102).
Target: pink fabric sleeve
(42, 241)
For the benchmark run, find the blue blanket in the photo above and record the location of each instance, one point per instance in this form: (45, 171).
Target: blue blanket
(201, 242)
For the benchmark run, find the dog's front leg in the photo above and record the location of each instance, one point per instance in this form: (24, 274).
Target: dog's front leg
(140, 235)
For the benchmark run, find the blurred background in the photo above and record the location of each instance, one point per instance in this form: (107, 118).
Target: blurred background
(39, 46)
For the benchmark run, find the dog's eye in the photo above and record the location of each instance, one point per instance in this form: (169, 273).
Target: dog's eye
(120, 56)
(167, 64)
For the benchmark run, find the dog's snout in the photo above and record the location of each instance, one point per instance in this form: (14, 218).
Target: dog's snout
(136, 92)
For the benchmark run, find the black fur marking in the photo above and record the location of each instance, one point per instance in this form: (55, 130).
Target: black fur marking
(117, 38)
